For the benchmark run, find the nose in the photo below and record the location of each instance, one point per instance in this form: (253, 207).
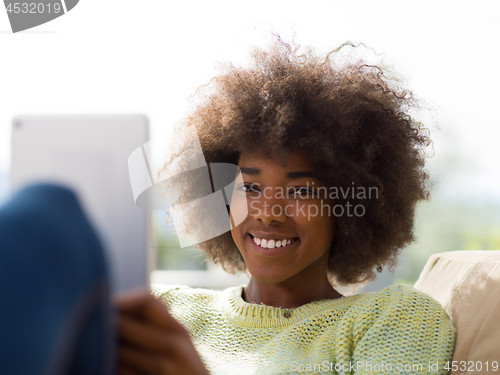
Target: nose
(269, 208)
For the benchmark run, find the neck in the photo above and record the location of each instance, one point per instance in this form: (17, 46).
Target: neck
(288, 294)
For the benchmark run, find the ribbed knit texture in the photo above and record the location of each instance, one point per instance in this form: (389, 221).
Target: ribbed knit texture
(397, 326)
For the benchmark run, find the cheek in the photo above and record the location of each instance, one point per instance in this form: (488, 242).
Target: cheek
(316, 219)
(315, 211)
(236, 234)
(239, 208)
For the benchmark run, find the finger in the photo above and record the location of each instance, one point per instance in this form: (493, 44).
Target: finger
(142, 362)
(149, 337)
(131, 301)
(147, 307)
(156, 312)
(139, 301)
(126, 370)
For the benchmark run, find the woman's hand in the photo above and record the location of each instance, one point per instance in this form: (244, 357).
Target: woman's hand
(151, 340)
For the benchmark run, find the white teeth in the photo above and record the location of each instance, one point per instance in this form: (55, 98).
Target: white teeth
(271, 244)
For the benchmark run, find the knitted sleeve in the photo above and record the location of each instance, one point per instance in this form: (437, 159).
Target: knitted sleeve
(161, 291)
(403, 332)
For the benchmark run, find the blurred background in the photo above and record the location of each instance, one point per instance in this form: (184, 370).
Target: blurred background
(150, 56)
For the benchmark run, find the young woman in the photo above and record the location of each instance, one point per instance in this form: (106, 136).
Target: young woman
(331, 169)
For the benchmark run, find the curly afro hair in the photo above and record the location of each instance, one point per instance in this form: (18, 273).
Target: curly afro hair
(353, 123)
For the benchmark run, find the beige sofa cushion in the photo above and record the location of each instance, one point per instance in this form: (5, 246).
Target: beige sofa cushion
(467, 285)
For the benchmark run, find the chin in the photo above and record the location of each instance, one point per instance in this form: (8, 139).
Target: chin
(270, 277)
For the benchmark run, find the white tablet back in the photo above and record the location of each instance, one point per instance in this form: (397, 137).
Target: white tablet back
(90, 155)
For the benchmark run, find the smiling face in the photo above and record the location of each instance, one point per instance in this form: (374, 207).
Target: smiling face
(286, 236)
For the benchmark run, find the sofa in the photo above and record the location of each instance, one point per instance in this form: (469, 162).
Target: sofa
(467, 285)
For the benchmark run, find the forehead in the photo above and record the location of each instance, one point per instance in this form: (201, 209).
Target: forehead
(293, 161)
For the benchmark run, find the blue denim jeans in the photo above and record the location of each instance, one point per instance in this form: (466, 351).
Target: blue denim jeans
(55, 309)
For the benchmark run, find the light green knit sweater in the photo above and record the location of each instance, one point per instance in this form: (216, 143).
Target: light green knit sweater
(398, 330)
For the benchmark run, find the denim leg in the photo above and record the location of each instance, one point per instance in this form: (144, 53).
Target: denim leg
(55, 310)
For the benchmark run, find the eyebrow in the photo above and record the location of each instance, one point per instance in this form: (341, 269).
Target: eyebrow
(290, 175)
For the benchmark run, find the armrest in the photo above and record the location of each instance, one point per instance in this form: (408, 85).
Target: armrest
(467, 285)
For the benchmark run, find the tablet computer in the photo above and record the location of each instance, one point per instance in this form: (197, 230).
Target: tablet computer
(89, 154)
